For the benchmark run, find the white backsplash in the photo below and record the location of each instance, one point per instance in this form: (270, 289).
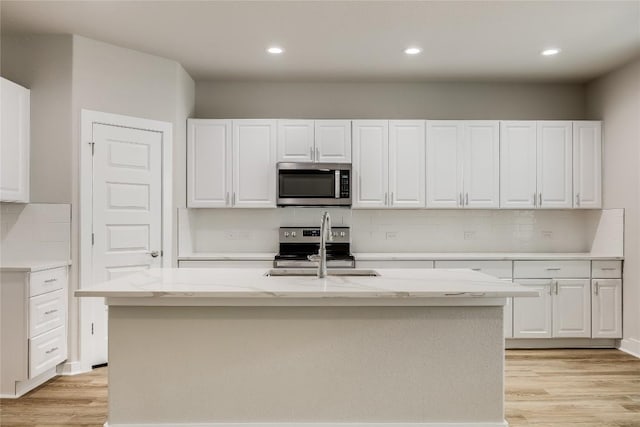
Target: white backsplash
(35, 232)
(256, 230)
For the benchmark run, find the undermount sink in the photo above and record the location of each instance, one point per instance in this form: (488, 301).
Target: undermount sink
(314, 272)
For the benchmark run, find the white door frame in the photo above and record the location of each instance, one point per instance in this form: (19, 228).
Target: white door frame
(85, 262)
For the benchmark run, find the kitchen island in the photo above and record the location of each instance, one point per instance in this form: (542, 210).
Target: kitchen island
(220, 346)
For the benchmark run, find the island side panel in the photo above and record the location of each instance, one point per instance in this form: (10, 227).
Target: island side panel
(305, 364)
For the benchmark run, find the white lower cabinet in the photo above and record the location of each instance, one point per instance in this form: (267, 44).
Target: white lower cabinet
(532, 315)
(33, 328)
(606, 308)
(571, 302)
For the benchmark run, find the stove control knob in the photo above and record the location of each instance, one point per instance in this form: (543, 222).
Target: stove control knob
(286, 234)
(293, 234)
(334, 234)
(342, 234)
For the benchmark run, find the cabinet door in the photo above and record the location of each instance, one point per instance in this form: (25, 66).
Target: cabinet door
(14, 142)
(587, 165)
(444, 164)
(370, 162)
(481, 164)
(532, 315)
(518, 165)
(254, 163)
(508, 315)
(606, 316)
(295, 141)
(208, 163)
(406, 163)
(572, 308)
(333, 141)
(555, 159)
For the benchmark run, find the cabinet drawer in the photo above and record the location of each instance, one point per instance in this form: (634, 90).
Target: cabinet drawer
(499, 269)
(47, 350)
(226, 264)
(46, 312)
(394, 264)
(606, 269)
(551, 269)
(47, 281)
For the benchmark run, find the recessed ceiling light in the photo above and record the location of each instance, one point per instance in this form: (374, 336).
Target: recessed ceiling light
(275, 50)
(550, 52)
(412, 50)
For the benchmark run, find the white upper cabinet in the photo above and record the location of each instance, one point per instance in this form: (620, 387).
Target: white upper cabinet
(444, 163)
(555, 159)
(209, 153)
(518, 165)
(370, 163)
(587, 164)
(333, 141)
(295, 141)
(327, 141)
(14, 142)
(481, 168)
(536, 164)
(463, 164)
(254, 164)
(406, 164)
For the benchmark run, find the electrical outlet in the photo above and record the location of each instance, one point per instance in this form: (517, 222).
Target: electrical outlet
(546, 234)
(229, 235)
(469, 235)
(392, 235)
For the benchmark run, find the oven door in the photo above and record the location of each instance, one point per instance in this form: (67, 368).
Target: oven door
(309, 184)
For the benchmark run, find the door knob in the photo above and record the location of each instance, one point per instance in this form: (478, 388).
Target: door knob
(154, 253)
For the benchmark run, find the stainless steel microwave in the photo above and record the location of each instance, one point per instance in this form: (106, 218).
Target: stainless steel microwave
(314, 184)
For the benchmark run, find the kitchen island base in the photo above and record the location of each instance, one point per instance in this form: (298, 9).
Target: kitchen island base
(321, 366)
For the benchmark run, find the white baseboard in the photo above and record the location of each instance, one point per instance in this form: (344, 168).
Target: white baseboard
(542, 343)
(368, 424)
(630, 346)
(73, 368)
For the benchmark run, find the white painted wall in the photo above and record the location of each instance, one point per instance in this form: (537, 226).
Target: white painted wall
(615, 98)
(43, 64)
(375, 100)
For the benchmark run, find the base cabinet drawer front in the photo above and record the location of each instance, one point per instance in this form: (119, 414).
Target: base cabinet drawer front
(572, 308)
(532, 315)
(47, 350)
(226, 264)
(606, 316)
(606, 269)
(47, 281)
(394, 264)
(46, 312)
(499, 269)
(551, 269)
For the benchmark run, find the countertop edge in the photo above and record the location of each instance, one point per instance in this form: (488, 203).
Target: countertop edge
(32, 266)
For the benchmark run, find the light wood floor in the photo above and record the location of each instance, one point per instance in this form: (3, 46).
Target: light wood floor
(581, 388)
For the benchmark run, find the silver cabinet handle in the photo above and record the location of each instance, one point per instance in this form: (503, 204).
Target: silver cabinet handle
(51, 311)
(535, 203)
(460, 201)
(51, 280)
(608, 268)
(540, 199)
(392, 198)
(311, 154)
(154, 254)
(51, 350)
(577, 199)
(597, 290)
(317, 154)
(233, 198)
(476, 269)
(466, 199)
(554, 268)
(557, 287)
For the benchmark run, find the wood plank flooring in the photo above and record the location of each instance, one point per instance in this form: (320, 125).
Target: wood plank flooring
(567, 388)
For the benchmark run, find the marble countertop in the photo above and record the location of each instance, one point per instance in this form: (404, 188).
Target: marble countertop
(31, 266)
(175, 286)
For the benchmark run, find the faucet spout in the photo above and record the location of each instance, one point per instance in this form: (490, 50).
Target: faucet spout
(325, 235)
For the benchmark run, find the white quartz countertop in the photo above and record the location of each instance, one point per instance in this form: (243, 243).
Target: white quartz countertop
(31, 266)
(243, 283)
(463, 256)
(227, 256)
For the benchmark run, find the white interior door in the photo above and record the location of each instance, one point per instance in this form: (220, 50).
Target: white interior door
(127, 216)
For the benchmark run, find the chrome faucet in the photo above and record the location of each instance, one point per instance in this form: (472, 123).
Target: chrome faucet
(321, 256)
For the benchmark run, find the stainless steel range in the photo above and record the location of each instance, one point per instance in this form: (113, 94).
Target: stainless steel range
(297, 243)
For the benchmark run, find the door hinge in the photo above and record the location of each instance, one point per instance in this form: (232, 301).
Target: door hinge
(92, 328)
(93, 147)
(93, 239)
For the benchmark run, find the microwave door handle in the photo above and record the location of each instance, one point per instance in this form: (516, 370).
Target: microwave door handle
(336, 183)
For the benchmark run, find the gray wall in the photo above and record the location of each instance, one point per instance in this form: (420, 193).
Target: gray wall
(615, 98)
(221, 99)
(43, 64)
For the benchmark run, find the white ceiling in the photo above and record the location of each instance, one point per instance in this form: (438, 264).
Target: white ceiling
(355, 40)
